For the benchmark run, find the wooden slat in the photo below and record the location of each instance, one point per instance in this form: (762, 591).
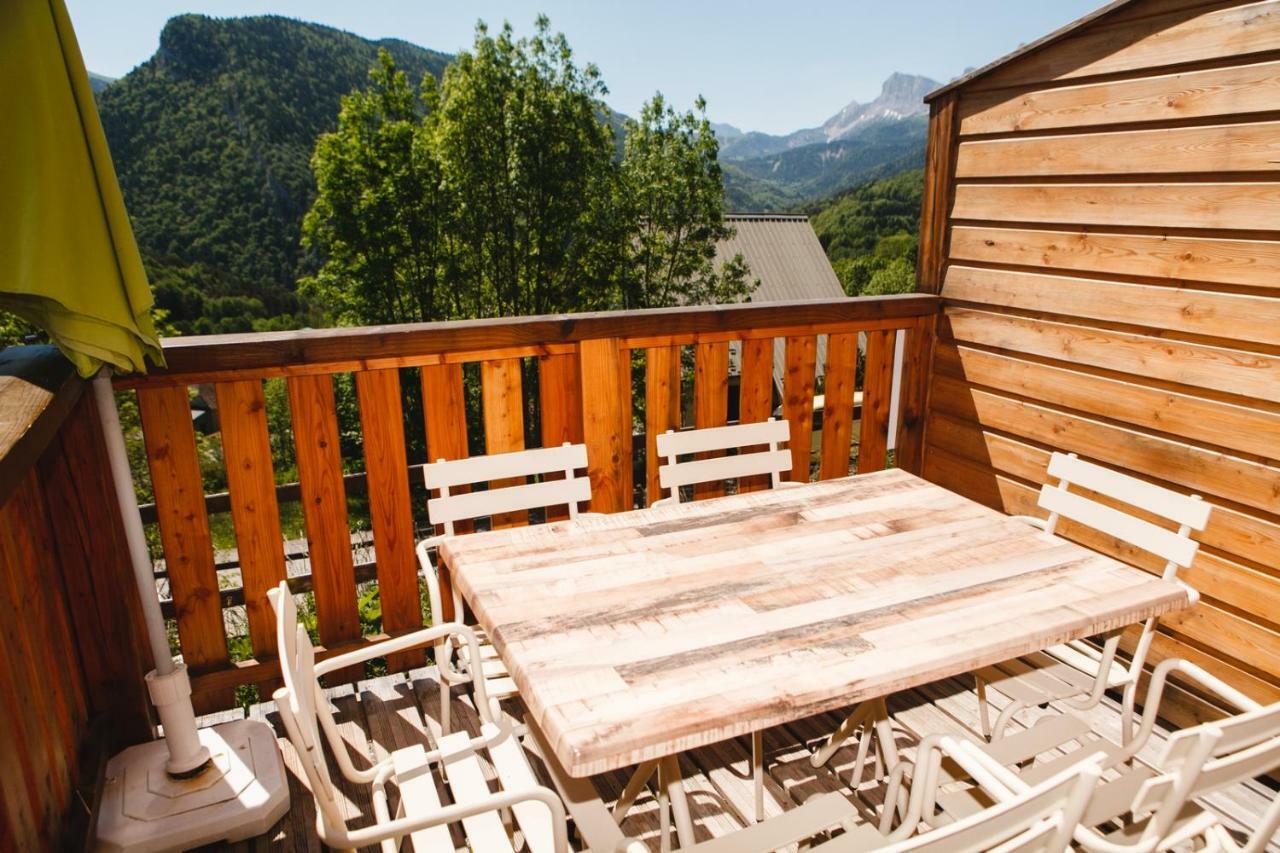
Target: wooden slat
(605, 421)
(1207, 471)
(1221, 315)
(876, 388)
(661, 409)
(503, 396)
(710, 400)
(1237, 427)
(1182, 35)
(1254, 263)
(1163, 151)
(1226, 370)
(184, 527)
(1235, 91)
(444, 408)
(837, 411)
(390, 511)
(755, 394)
(246, 449)
(1243, 206)
(560, 408)
(938, 192)
(324, 508)
(654, 634)
(797, 402)
(916, 375)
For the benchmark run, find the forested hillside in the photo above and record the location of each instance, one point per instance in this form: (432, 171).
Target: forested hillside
(870, 233)
(212, 139)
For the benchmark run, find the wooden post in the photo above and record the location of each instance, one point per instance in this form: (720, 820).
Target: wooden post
(606, 424)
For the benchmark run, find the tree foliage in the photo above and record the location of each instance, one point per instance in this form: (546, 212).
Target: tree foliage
(869, 233)
(499, 192)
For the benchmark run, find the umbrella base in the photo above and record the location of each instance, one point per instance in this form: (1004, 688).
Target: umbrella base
(242, 793)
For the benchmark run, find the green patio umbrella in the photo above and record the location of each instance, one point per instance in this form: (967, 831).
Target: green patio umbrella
(68, 260)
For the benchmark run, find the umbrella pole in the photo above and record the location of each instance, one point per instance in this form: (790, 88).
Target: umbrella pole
(194, 787)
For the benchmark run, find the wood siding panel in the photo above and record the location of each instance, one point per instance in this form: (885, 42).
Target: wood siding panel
(1234, 91)
(837, 410)
(503, 398)
(390, 510)
(246, 450)
(1163, 151)
(797, 401)
(710, 401)
(324, 508)
(1219, 260)
(1243, 206)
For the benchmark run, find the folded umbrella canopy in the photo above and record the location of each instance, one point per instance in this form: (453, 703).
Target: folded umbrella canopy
(68, 260)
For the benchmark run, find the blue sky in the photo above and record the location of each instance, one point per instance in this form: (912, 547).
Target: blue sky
(771, 66)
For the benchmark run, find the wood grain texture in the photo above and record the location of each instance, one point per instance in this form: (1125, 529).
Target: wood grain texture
(1219, 260)
(916, 376)
(661, 409)
(878, 583)
(1248, 374)
(755, 394)
(324, 508)
(797, 402)
(710, 400)
(837, 411)
(938, 192)
(1243, 206)
(1233, 91)
(444, 410)
(184, 527)
(503, 406)
(606, 424)
(1229, 316)
(246, 451)
(560, 408)
(1162, 151)
(390, 510)
(873, 441)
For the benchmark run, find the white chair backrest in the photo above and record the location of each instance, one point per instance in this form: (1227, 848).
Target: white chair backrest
(768, 434)
(1190, 513)
(1041, 820)
(566, 459)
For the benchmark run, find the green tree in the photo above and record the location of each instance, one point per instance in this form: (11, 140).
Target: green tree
(673, 195)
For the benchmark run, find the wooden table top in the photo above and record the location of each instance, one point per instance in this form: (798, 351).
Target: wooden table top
(642, 634)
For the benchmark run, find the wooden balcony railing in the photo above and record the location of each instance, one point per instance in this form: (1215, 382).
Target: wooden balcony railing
(584, 367)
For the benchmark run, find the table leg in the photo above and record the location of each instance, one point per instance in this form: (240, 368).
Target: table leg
(671, 783)
(634, 786)
(888, 747)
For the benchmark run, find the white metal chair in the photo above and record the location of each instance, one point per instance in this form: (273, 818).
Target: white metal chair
(414, 770)
(1077, 672)
(771, 461)
(450, 506)
(1156, 800)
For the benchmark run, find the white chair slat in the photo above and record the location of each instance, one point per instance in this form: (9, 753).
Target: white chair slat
(516, 775)
(508, 499)
(419, 796)
(467, 784)
(723, 468)
(1143, 534)
(1138, 493)
(722, 438)
(502, 466)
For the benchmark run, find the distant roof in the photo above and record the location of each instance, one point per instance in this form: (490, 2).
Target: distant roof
(784, 253)
(1030, 47)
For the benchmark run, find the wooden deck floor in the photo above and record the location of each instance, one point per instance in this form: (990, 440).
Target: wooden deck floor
(384, 714)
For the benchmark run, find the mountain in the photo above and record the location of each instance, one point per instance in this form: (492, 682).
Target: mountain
(859, 143)
(212, 140)
(901, 97)
(98, 82)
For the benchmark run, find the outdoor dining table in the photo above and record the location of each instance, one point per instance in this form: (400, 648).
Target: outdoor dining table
(636, 636)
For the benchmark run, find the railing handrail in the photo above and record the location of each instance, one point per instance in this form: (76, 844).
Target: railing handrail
(209, 357)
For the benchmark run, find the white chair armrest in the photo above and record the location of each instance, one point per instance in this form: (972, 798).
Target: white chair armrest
(663, 502)
(423, 637)
(1039, 523)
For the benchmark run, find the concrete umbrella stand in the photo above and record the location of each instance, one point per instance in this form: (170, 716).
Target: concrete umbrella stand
(193, 786)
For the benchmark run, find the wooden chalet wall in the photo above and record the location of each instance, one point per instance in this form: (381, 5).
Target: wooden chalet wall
(1102, 218)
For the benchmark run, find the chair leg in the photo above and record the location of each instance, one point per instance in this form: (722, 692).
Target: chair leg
(984, 710)
(757, 772)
